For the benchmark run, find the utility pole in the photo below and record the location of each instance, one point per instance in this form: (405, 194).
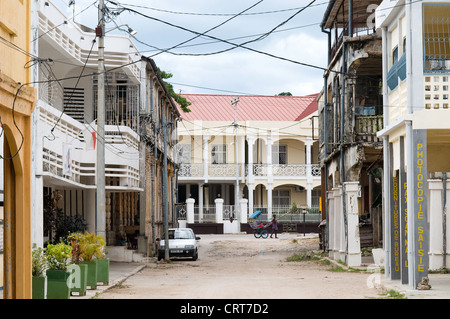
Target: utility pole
(165, 194)
(100, 172)
(236, 204)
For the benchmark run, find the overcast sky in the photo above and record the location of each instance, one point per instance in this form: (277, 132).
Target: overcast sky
(237, 70)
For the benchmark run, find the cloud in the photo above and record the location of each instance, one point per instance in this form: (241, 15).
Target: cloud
(244, 71)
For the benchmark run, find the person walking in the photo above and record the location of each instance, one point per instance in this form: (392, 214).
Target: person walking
(274, 226)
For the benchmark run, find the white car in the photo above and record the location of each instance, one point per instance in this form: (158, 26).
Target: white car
(182, 243)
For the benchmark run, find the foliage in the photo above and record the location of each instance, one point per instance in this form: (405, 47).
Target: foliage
(285, 94)
(58, 256)
(75, 241)
(183, 102)
(90, 246)
(39, 262)
(56, 223)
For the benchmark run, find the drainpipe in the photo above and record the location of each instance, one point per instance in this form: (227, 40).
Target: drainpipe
(344, 210)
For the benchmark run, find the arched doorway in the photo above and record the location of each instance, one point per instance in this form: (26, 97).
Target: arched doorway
(16, 162)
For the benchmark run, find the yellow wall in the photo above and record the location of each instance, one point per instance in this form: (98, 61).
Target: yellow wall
(15, 34)
(15, 29)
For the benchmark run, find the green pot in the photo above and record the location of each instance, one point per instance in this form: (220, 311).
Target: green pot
(91, 273)
(57, 287)
(38, 286)
(103, 271)
(80, 284)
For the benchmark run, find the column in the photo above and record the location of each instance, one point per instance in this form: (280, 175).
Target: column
(200, 203)
(269, 201)
(243, 216)
(330, 225)
(337, 222)
(269, 177)
(352, 192)
(205, 157)
(190, 210)
(436, 239)
(308, 172)
(250, 199)
(219, 210)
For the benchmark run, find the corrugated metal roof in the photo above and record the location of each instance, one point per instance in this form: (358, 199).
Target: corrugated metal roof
(210, 107)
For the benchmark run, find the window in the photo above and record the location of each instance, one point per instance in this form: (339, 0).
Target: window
(436, 46)
(395, 55)
(219, 154)
(281, 197)
(279, 154)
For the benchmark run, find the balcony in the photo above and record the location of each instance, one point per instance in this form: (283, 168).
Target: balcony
(259, 170)
(367, 126)
(73, 162)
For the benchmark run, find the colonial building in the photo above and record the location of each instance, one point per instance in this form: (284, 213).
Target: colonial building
(158, 116)
(250, 152)
(65, 128)
(350, 114)
(416, 136)
(17, 99)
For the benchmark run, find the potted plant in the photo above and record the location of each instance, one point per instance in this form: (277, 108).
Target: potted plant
(102, 264)
(58, 259)
(79, 281)
(91, 244)
(39, 265)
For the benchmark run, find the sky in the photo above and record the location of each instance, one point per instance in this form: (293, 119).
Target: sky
(294, 38)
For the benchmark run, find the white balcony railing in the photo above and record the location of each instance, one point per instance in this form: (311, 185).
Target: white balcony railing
(259, 170)
(121, 166)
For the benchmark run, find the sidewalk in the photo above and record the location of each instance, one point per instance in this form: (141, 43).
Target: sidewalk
(118, 272)
(440, 287)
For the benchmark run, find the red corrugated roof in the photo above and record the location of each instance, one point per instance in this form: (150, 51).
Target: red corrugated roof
(211, 107)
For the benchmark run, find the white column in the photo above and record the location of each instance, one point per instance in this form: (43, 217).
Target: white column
(200, 203)
(331, 222)
(337, 222)
(205, 157)
(308, 171)
(269, 201)
(190, 210)
(90, 209)
(250, 177)
(269, 159)
(435, 208)
(250, 199)
(219, 210)
(243, 217)
(352, 192)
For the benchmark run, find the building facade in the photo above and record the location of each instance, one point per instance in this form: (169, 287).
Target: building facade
(416, 136)
(350, 114)
(17, 99)
(159, 116)
(252, 152)
(65, 129)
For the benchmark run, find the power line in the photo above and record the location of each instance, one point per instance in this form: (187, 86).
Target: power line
(213, 14)
(210, 29)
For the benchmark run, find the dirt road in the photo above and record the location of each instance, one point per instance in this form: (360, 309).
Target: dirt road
(242, 267)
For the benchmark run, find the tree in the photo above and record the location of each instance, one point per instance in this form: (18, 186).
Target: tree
(285, 94)
(183, 102)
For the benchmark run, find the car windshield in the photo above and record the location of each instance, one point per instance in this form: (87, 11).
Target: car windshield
(180, 234)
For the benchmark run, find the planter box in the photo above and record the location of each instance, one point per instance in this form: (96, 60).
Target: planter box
(57, 287)
(81, 282)
(103, 271)
(38, 286)
(91, 273)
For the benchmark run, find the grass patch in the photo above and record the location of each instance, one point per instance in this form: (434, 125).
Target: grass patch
(303, 257)
(393, 294)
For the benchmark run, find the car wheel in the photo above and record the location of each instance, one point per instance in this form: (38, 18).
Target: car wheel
(195, 257)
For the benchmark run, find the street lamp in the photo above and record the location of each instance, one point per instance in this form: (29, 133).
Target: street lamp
(304, 221)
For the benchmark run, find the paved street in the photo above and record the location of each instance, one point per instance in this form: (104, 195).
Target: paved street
(242, 267)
